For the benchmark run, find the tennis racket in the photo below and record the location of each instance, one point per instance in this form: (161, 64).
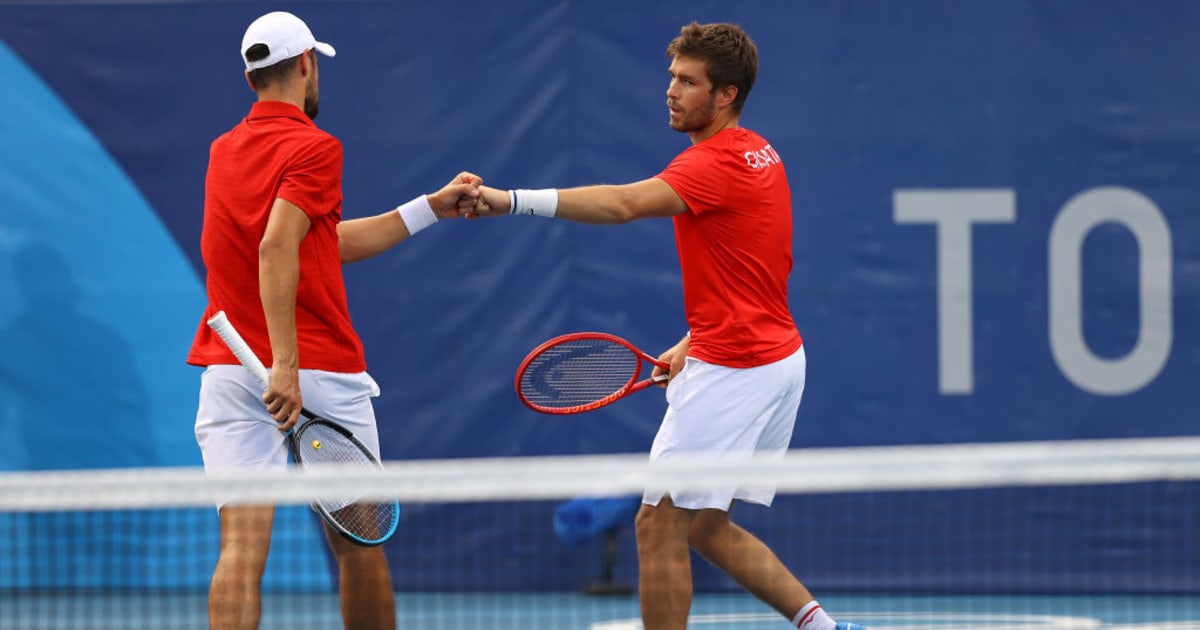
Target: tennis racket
(321, 443)
(582, 371)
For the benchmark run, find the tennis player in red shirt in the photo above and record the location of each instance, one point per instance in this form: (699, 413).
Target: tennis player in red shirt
(273, 244)
(738, 375)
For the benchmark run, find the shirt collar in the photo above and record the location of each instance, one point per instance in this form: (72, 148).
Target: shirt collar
(278, 109)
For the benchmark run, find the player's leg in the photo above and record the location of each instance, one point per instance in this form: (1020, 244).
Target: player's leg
(753, 565)
(365, 582)
(234, 596)
(665, 518)
(767, 398)
(664, 565)
(236, 434)
(748, 561)
(365, 585)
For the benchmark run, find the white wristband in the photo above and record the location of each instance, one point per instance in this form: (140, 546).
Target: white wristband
(417, 215)
(542, 202)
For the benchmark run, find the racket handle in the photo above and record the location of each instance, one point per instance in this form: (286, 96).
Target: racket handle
(646, 382)
(222, 326)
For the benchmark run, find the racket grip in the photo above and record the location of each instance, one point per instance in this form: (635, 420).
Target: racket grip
(222, 326)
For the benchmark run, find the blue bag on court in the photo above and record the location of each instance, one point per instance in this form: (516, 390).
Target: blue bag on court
(578, 521)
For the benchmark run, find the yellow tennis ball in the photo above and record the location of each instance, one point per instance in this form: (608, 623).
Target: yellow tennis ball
(317, 444)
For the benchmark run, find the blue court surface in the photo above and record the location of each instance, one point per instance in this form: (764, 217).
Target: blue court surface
(565, 611)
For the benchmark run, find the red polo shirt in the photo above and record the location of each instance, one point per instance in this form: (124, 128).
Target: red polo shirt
(735, 249)
(276, 152)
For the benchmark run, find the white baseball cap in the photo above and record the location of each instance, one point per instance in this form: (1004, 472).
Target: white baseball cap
(284, 35)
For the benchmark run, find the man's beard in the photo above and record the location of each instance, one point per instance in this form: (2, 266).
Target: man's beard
(312, 102)
(695, 121)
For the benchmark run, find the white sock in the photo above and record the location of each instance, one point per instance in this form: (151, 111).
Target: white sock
(813, 617)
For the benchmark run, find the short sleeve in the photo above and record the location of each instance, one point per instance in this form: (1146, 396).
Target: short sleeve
(695, 176)
(313, 179)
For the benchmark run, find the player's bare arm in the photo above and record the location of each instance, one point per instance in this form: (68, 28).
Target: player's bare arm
(359, 239)
(600, 204)
(278, 277)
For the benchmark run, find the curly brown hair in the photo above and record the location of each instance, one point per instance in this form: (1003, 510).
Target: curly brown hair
(729, 55)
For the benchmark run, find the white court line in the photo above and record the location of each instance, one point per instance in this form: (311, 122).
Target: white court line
(1159, 625)
(914, 621)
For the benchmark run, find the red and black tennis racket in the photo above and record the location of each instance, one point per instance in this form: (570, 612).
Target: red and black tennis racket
(582, 371)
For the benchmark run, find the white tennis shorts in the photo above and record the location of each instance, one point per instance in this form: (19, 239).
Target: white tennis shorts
(719, 411)
(235, 432)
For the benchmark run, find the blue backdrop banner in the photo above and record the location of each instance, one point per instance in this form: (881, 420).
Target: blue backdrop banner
(995, 226)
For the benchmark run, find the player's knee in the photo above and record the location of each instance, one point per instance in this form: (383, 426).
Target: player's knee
(240, 565)
(652, 526)
(245, 552)
(662, 524)
(644, 525)
(711, 528)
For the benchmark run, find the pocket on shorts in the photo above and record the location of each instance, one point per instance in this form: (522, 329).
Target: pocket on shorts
(676, 383)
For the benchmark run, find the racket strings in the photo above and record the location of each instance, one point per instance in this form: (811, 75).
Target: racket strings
(578, 372)
(323, 446)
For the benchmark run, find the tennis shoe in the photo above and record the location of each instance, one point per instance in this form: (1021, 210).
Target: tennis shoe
(845, 625)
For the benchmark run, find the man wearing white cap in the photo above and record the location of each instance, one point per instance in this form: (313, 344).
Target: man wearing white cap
(273, 244)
